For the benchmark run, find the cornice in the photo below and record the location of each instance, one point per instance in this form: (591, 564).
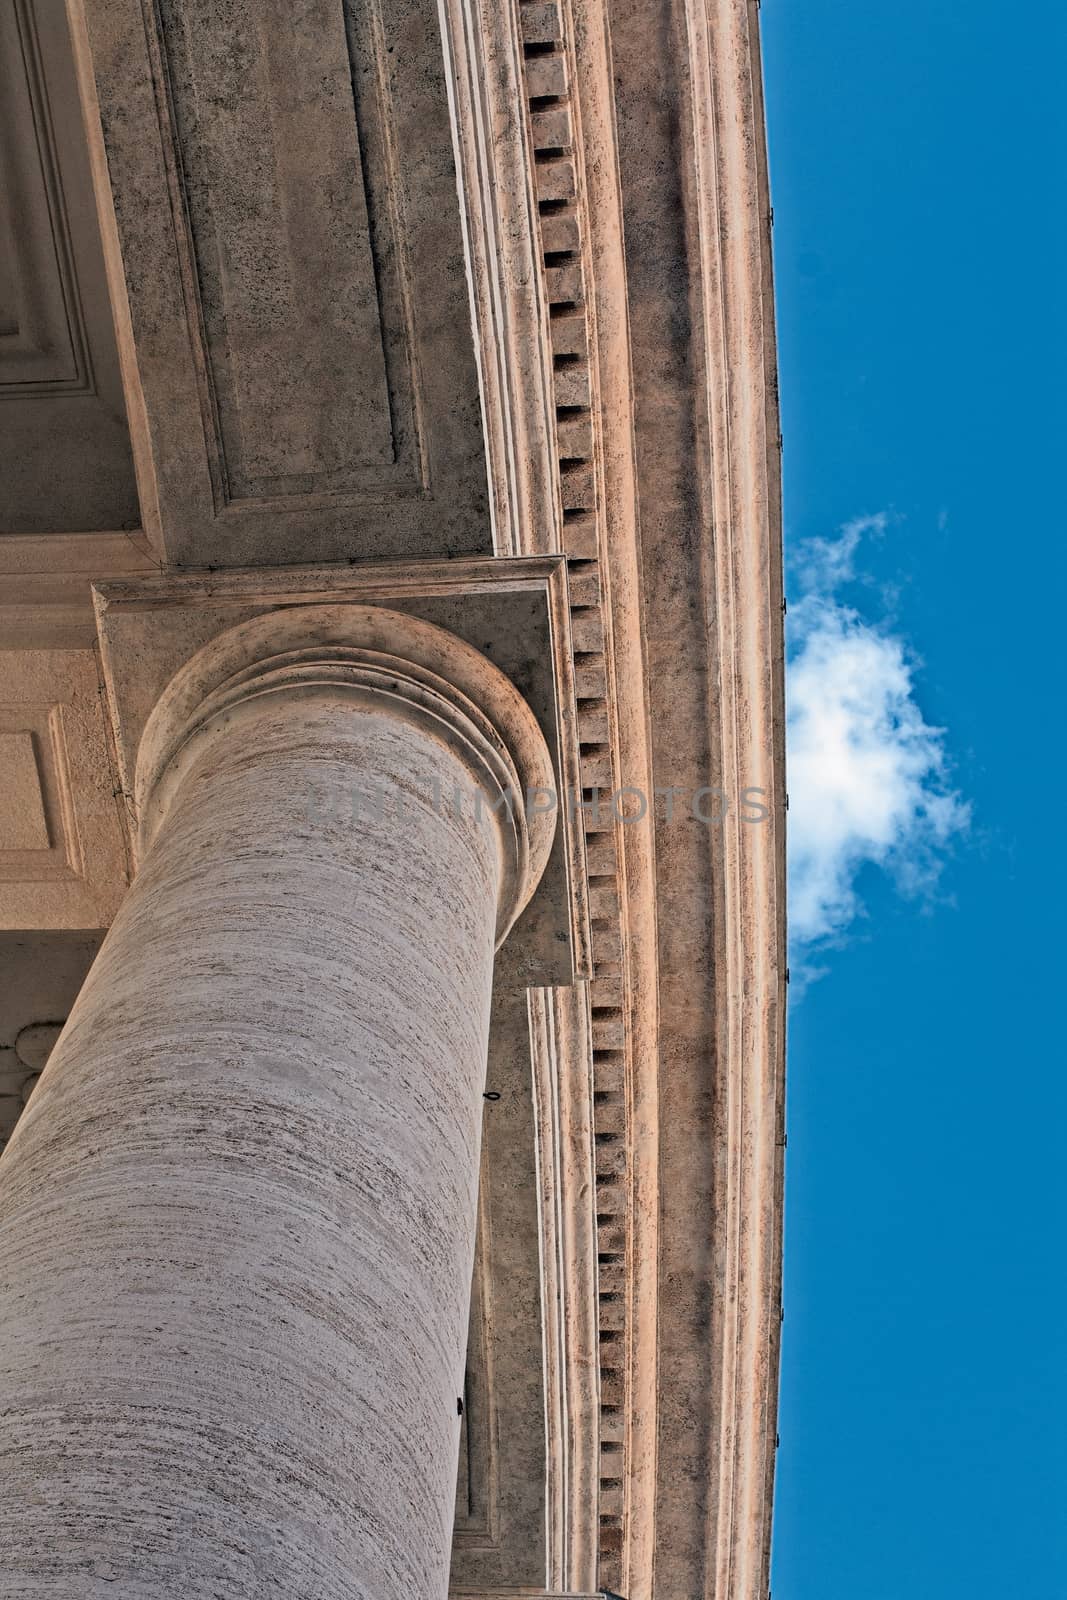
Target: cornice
(740, 469)
(561, 1050)
(593, 527)
(731, 552)
(484, 71)
(581, 259)
(626, 987)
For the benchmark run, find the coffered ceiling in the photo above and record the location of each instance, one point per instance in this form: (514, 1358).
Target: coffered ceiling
(65, 461)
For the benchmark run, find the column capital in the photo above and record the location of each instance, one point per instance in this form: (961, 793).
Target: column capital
(370, 657)
(496, 632)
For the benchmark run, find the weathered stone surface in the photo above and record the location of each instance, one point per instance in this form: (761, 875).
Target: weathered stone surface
(514, 613)
(62, 852)
(289, 263)
(237, 1218)
(614, 214)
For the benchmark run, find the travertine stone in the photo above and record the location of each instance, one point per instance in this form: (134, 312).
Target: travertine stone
(237, 1218)
(62, 852)
(513, 612)
(284, 239)
(23, 825)
(602, 210)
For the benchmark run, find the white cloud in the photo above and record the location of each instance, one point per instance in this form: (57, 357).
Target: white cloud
(823, 565)
(868, 776)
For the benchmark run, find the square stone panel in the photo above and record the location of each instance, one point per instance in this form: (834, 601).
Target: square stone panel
(62, 853)
(23, 825)
(290, 227)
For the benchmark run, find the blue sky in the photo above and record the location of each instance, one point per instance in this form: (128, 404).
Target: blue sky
(919, 241)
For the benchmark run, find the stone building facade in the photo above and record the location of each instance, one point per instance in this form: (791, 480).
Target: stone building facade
(391, 841)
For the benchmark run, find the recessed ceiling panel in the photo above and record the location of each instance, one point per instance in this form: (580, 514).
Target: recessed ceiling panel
(65, 463)
(287, 209)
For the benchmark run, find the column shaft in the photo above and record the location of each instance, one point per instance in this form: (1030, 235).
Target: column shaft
(236, 1221)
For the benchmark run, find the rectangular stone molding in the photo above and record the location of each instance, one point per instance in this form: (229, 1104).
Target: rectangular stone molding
(485, 60)
(24, 827)
(289, 251)
(526, 1502)
(46, 595)
(279, 221)
(500, 1534)
(477, 1479)
(62, 852)
(65, 460)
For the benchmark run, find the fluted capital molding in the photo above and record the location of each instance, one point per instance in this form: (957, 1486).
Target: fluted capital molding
(365, 657)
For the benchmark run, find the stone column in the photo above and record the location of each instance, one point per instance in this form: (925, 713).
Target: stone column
(237, 1218)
